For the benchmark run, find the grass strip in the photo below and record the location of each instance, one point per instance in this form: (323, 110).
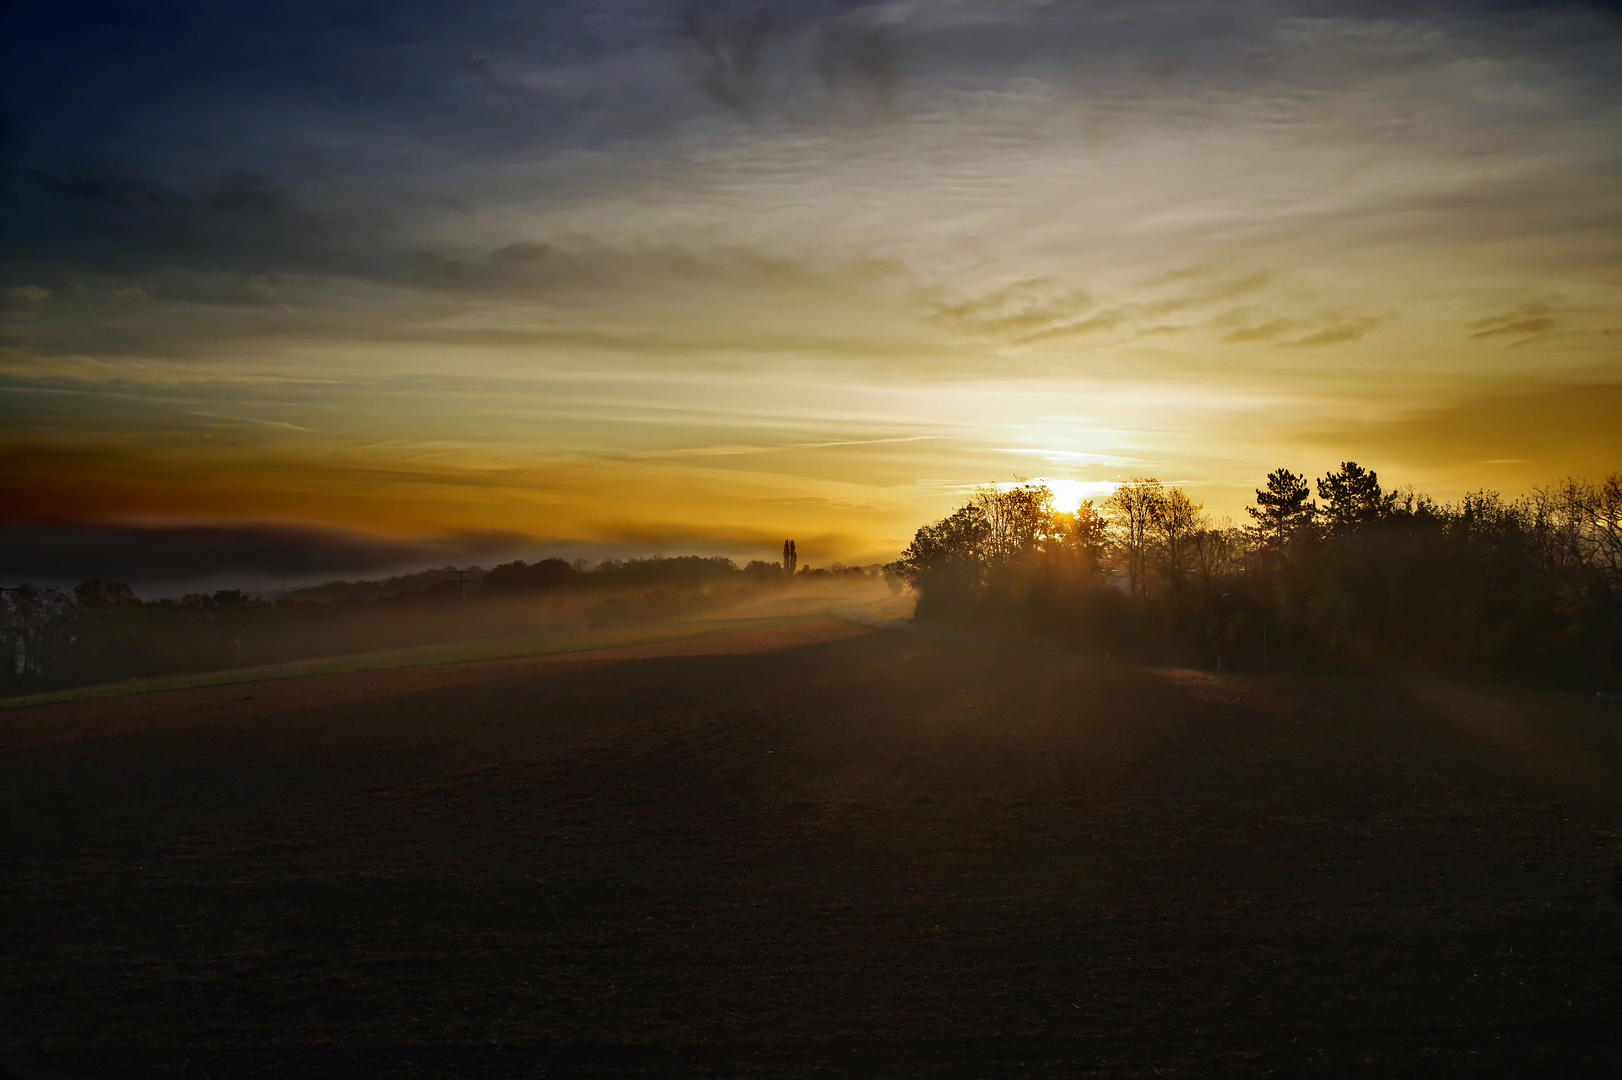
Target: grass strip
(457, 652)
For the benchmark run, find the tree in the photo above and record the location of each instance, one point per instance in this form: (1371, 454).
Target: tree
(34, 637)
(950, 552)
(1136, 505)
(791, 557)
(1376, 575)
(100, 595)
(1018, 520)
(1000, 526)
(520, 578)
(1283, 512)
(1084, 534)
(1175, 521)
(1353, 499)
(1578, 529)
(1218, 554)
(1604, 518)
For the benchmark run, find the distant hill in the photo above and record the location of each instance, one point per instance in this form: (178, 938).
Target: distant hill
(376, 590)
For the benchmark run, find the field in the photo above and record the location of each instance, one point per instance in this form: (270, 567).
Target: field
(805, 848)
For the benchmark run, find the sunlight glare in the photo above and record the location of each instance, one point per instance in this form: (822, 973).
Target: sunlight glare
(1070, 494)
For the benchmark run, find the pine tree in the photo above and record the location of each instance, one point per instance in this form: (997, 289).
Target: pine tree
(1353, 499)
(1283, 512)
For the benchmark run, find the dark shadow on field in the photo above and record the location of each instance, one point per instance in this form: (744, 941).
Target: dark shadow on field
(878, 856)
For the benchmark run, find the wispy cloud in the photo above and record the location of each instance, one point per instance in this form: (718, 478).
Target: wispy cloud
(1526, 323)
(280, 424)
(740, 450)
(1069, 457)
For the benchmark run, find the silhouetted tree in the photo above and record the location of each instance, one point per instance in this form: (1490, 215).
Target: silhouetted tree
(948, 554)
(1219, 554)
(1018, 520)
(1175, 522)
(1284, 512)
(520, 578)
(1353, 499)
(1083, 535)
(1386, 576)
(1579, 529)
(1135, 506)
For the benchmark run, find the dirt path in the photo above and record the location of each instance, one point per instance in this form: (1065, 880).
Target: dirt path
(812, 850)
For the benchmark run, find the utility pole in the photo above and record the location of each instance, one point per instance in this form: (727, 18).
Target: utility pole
(461, 581)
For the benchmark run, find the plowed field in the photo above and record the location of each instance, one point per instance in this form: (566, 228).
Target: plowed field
(812, 850)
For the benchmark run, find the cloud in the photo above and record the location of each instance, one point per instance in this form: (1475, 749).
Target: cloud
(244, 237)
(1324, 328)
(1220, 288)
(282, 425)
(745, 450)
(1526, 323)
(175, 556)
(579, 262)
(1097, 324)
(697, 535)
(241, 222)
(731, 38)
(1027, 306)
(1034, 310)
(1068, 457)
(1266, 331)
(659, 297)
(1038, 310)
(1341, 331)
(1532, 326)
(750, 54)
(454, 490)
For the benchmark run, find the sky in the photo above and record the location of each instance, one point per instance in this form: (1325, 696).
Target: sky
(327, 288)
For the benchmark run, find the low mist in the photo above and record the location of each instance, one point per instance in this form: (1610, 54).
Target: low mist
(102, 632)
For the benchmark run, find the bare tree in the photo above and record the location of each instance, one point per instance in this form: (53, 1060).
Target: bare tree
(1018, 520)
(1605, 521)
(1135, 506)
(1175, 521)
(1577, 525)
(1218, 554)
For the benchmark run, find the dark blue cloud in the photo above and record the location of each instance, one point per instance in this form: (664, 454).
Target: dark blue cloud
(125, 79)
(309, 136)
(122, 77)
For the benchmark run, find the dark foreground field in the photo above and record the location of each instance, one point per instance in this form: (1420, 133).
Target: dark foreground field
(812, 851)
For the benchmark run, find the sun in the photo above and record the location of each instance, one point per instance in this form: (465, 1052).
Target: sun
(1070, 494)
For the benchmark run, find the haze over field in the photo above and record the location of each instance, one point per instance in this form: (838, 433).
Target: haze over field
(325, 288)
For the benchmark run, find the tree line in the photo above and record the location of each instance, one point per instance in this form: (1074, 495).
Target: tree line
(102, 631)
(1336, 568)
